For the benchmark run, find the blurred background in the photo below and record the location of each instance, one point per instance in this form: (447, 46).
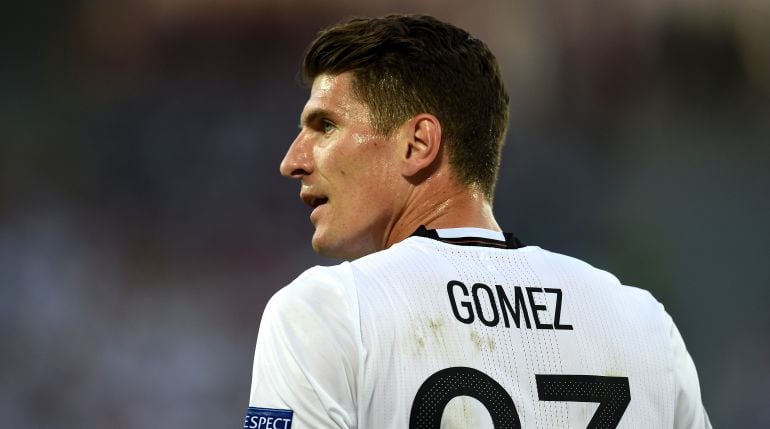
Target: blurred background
(143, 222)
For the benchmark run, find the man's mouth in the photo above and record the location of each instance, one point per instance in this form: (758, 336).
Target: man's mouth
(314, 200)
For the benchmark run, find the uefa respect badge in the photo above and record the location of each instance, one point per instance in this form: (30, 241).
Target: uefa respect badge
(267, 418)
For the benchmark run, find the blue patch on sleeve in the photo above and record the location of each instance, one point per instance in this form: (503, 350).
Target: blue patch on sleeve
(267, 418)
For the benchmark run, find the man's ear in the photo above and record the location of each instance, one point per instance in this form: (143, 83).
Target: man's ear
(423, 144)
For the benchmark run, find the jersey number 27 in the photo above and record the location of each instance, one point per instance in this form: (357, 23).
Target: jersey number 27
(612, 394)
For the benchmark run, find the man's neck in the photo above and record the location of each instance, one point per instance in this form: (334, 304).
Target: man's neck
(452, 207)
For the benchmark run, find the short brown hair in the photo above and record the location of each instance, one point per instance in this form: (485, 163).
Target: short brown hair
(404, 65)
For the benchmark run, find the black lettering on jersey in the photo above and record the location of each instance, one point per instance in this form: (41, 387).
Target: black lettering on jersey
(467, 305)
(491, 298)
(557, 314)
(498, 301)
(537, 307)
(519, 306)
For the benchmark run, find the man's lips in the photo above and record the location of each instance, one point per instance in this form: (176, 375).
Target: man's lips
(313, 200)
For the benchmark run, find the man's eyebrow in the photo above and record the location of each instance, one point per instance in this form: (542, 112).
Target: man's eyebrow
(313, 116)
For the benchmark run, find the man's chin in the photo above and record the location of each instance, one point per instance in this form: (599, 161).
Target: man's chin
(322, 247)
(337, 249)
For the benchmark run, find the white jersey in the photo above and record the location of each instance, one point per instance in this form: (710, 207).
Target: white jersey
(466, 328)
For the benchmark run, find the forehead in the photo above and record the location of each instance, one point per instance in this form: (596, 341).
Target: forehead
(333, 94)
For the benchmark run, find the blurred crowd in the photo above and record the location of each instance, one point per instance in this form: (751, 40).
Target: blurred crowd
(143, 222)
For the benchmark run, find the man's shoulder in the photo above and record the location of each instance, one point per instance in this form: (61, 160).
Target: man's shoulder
(560, 261)
(317, 286)
(340, 278)
(400, 251)
(322, 276)
(324, 282)
(598, 276)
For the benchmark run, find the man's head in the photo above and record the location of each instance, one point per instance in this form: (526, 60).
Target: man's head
(401, 108)
(404, 65)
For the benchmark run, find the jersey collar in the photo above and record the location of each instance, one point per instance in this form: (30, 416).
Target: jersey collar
(471, 237)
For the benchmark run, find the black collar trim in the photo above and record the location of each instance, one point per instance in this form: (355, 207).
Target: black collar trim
(510, 242)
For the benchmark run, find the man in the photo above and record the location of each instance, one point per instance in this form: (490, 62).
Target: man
(441, 320)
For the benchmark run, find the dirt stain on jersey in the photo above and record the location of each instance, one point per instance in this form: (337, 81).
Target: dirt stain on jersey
(420, 343)
(417, 346)
(491, 343)
(476, 340)
(482, 343)
(436, 327)
(428, 332)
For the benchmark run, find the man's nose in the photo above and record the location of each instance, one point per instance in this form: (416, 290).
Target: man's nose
(298, 161)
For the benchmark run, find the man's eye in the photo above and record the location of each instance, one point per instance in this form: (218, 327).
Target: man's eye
(327, 127)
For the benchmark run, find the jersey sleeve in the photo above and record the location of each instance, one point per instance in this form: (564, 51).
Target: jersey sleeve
(306, 358)
(689, 411)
